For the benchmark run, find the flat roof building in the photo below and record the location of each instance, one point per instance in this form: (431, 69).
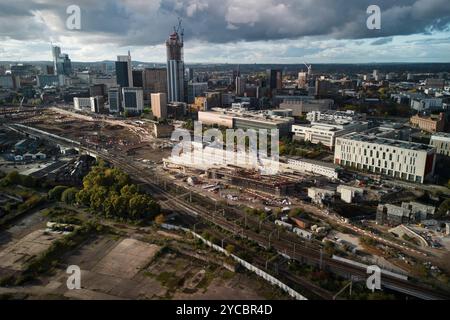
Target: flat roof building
(325, 132)
(240, 119)
(441, 141)
(395, 158)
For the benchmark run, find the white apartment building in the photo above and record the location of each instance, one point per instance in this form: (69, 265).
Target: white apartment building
(325, 133)
(441, 141)
(399, 159)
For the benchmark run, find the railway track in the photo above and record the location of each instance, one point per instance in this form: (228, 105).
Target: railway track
(298, 252)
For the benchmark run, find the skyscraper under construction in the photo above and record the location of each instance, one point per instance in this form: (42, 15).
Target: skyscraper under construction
(175, 66)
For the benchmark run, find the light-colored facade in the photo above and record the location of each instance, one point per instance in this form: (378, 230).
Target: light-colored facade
(114, 100)
(325, 133)
(300, 107)
(395, 158)
(441, 141)
(325, 169)
(93, 104)
(429, 123)
(159, 105)
(240, 119)
(337, 116)
(427, 104)
(133, 100)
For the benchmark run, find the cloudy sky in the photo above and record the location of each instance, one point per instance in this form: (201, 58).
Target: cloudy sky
(230, 31)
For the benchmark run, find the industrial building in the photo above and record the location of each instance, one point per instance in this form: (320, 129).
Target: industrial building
(406, 213)
(396, 158)
(348, 193)
(318, 195)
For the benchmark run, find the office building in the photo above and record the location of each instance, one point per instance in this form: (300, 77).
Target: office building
(189, 74)
(240, 86)
(138, 78)
(426, 104)
(301, 106)
(61, 62)
(196, 89)
(133, 100)
(124, 73)
(10, 81)
(435, 83)
(274, 79)
(92, 104)
(302, 79)
(399, 159)
(175, 68)
(159, 105)
(47, 80)
(431, 123)
(240, 119)
(325, 132)
(337, 116)
(154, 81)
(115, 100)
(441, 141)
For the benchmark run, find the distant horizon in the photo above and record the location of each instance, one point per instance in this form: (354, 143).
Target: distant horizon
(242, 64)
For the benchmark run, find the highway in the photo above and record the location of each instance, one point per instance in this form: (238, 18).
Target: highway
(299, 251)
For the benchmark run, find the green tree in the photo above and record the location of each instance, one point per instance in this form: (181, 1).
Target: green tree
(56, 192)
(69, 195)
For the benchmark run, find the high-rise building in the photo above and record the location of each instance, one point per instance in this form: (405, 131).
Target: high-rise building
(154, 81)
(175, 67)
(159, 105)
(138, 80)
(115, 100)
(56, 52)
(302, 79)
(189, 74)
(133, 100)
(61, 62)
(124, 72)
(196, 89)
(274, 79)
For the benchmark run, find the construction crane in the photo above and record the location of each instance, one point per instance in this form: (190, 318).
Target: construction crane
(178, 29)
(309, 69)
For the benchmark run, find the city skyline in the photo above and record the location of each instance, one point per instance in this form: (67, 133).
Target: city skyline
(234, 32)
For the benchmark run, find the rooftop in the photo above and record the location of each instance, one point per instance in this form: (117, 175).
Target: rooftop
(369, 138)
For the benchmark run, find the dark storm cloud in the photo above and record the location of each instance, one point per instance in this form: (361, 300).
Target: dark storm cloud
(148, 22)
